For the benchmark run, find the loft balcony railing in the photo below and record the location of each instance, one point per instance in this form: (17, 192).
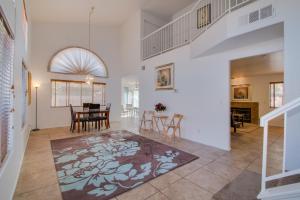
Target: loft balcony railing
(188, 27)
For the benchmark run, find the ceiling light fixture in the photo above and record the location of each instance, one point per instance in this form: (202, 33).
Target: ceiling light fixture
(90, 78)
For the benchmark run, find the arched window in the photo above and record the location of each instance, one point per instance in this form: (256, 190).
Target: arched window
(77, 60)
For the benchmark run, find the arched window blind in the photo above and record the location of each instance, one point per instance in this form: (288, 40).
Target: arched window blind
(6, 86)
(77, 60)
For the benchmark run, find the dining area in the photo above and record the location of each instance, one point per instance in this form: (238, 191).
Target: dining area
(90, 117)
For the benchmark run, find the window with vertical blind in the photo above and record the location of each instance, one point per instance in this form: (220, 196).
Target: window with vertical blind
(276, 94)
(6, 86)
(65, 92)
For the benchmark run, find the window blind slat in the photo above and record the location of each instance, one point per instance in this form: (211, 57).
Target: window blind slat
(6, 70)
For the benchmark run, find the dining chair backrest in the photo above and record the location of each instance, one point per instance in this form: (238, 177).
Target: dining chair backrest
(86, 106)
(108, 106)
(176, 120)
(94, 106)
(72, 113)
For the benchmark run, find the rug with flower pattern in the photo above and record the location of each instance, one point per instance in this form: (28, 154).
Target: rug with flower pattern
(105, 165)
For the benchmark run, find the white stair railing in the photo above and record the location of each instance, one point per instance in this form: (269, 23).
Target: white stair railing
(188, 27)
(264, 122)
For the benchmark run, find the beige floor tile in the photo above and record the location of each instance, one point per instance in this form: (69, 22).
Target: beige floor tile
(224, 170)
(140, 193)
(192, 166)
(29, 181)
(165, 180)
(208, 173)
(158, 196)
(50, 192)
(185, 190)
(207, 180)
(209, 154)
(242, 164)
(38, 156)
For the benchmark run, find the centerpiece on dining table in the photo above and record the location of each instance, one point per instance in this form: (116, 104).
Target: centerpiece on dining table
(160, 108)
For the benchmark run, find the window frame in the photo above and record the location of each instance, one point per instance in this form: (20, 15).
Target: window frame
(272, 87)
(68, 91)
(10, 117)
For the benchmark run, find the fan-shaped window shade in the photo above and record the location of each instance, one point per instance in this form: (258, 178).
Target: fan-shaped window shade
(76, 60)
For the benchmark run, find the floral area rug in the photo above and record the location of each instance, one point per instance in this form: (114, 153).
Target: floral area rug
(105, 165)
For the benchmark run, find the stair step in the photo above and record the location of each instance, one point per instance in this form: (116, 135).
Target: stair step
(291, 191)
(284, 181)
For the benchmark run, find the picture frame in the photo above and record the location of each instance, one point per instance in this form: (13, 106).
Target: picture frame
(241, 92)
(164, 77)
(29, 86)
(204, 16)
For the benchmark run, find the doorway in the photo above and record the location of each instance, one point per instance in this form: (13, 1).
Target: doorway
(130, 97)
(257, 88)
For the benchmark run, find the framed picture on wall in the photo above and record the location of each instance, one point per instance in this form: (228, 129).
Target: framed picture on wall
(241, 92)
(204, 16)
(165, 77)
(29, 85)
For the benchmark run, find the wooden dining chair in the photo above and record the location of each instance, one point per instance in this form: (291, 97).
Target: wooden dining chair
(74, 120)
(175, 124)
(147, 118)
(94, 117)
(104, 117)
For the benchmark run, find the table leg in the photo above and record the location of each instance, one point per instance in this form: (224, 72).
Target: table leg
(156, 124)
(78, 121)
(163, 125)
(108, 122)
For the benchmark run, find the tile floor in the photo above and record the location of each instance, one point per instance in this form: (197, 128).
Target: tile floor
(198, 180)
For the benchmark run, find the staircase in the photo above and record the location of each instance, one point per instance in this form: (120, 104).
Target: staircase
(189, 26)
(285, 185)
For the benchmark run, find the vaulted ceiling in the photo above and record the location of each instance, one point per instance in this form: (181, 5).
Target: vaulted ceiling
(108, 12)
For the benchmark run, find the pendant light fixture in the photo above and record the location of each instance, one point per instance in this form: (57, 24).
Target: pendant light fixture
(90, 78)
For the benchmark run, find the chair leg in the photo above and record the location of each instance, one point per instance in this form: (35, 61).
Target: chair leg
(141, 125)
(74, 125)
(71, 127)
(174, 134)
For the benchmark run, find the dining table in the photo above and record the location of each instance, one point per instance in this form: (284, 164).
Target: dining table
(101, 112)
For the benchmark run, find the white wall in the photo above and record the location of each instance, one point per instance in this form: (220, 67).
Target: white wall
(203, 90)
(130, 34)
(289, 11)
(183, 11)
(9, 172)
(260, 92)
(151, 23)
(50, 38)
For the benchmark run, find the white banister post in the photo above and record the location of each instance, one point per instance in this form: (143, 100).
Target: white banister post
(284, 144)
(264, 157)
